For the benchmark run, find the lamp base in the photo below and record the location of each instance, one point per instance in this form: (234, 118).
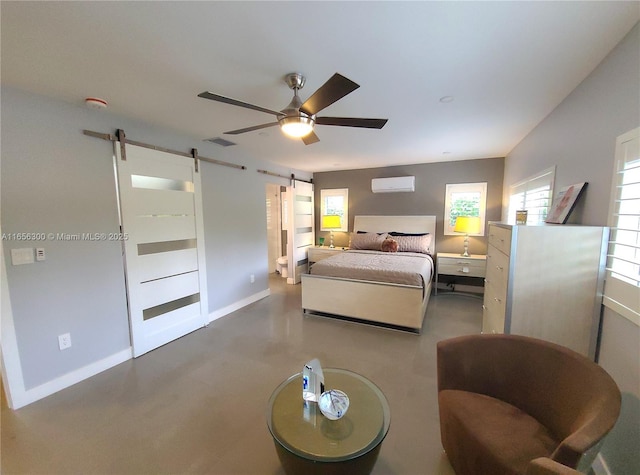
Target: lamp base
(466, 246)
(331, 246)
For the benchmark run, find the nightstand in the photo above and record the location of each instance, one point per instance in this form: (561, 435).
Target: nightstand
(317, 253)
(454, 264)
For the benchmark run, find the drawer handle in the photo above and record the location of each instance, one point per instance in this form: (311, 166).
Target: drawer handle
(486, 281)
(483, 307)
(497, 299)
(499, 267)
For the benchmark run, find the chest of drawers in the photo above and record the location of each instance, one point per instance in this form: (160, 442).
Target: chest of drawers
(546, 282)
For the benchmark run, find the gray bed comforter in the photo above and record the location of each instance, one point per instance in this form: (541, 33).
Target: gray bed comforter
(406, 268)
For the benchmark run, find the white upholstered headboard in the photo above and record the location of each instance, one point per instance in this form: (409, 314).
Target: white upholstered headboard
(401, 224)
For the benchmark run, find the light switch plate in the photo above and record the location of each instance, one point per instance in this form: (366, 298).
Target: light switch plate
(22, 256)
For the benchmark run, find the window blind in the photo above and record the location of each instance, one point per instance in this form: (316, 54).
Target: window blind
(534, 195)
(622, 287)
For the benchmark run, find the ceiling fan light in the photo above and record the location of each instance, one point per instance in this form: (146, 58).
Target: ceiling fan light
(296, 126)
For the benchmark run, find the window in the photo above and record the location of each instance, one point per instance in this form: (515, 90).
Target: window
(464, 199)
(532, 194)
(622, 286)
(335, 202)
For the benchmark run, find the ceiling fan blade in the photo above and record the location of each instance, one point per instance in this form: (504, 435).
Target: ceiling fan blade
(310, 138)
(334, 89)
(249, 129)
(235, 102)
(352, 122)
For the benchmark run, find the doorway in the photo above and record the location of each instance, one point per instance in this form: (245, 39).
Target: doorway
(290, 229)
(276, 203)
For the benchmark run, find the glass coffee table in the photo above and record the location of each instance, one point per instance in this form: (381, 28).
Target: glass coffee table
(309, 443)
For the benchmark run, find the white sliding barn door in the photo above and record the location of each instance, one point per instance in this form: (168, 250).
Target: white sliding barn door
(300, 229)
(161, 209)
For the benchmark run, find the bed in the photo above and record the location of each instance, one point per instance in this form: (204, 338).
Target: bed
(374, 297)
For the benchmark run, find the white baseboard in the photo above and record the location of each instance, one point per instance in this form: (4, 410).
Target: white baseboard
(600, 466)
(21, 398)
(238, 305)
(29, 396)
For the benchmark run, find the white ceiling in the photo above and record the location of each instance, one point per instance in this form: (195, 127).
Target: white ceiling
(506, 64)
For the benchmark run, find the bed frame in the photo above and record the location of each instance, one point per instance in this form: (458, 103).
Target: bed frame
(391, 305)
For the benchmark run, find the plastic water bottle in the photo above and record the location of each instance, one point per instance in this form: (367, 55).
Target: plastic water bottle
(312, 381)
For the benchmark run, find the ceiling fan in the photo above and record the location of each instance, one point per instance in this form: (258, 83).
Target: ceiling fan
(298, 119)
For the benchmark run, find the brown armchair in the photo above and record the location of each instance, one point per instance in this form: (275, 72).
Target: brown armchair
(506, 400)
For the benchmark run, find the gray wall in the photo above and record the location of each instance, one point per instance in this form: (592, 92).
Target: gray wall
(55, 179)
(579, 138)
(579, 135)
(428, 199)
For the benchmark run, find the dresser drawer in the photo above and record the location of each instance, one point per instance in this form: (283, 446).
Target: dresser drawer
(493, 310)
(492, 321)
(497, 273)
(500, 238)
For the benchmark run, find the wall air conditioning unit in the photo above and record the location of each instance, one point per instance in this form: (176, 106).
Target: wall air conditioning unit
(394, 184)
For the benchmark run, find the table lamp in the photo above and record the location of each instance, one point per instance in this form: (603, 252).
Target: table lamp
(467, 225)
(331, 222)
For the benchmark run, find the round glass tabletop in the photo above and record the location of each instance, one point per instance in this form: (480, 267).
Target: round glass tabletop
(300, 427)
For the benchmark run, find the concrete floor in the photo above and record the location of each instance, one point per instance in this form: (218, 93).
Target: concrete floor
(198, 404)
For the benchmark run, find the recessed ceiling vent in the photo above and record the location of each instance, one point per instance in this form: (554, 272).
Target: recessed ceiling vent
(220, 141)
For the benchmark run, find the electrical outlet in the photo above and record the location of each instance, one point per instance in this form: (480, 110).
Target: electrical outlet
(64, 341)
(252, 278)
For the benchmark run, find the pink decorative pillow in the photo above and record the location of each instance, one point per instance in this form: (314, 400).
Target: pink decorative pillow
(390, 245)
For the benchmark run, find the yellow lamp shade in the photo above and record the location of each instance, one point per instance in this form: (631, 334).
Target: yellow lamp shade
(331, 221)
(467, 225)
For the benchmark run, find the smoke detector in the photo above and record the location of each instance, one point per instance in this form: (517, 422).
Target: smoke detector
(95, 103)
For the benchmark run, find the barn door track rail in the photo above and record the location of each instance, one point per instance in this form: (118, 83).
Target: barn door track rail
(120, 136)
